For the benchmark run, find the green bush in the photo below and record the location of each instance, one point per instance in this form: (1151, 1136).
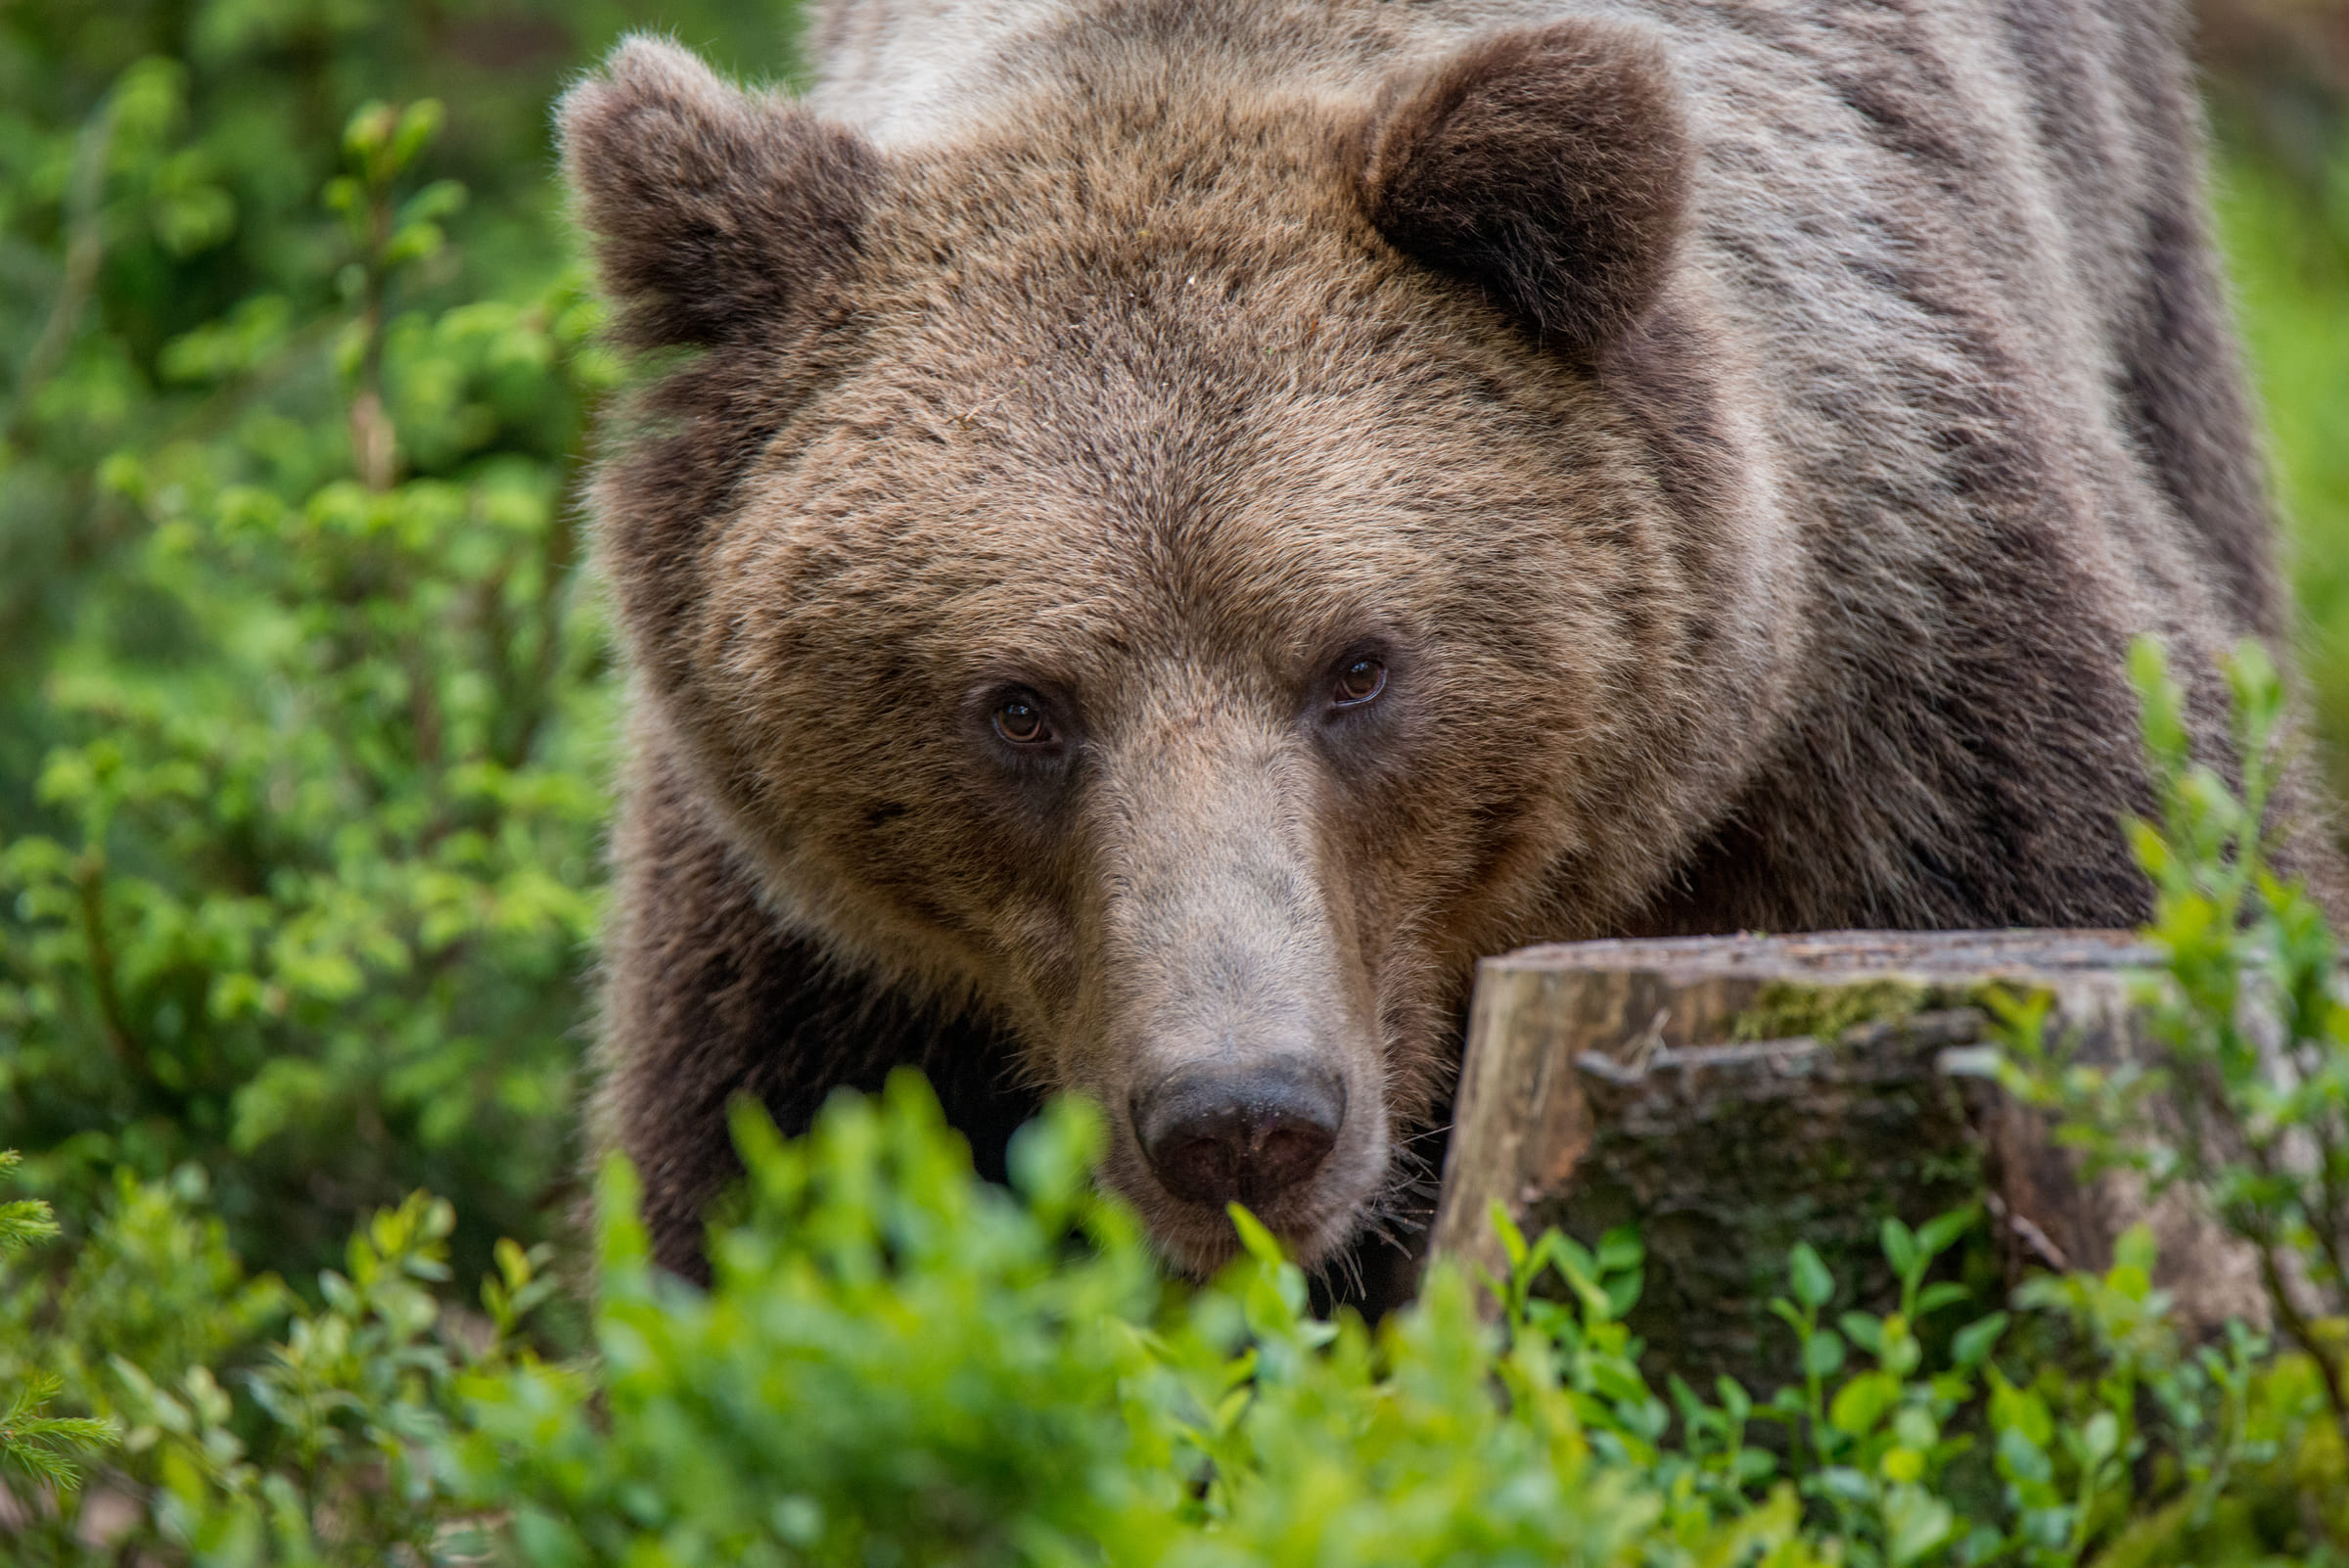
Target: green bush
(2244, 1098)
(302, 709)
(41, 1447)
(316, 869)
(897, 1363)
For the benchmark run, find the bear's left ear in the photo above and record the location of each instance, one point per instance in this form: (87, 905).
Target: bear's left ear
(1548, 165)
(713, 209)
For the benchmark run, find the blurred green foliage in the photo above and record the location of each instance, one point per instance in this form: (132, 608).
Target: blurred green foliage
(2286, 232)
(899, 1363)
(302, 709)
(41, 1447)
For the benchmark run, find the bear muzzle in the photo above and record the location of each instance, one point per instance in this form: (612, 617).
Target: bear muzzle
(1222, 1006)
(1217, 1134)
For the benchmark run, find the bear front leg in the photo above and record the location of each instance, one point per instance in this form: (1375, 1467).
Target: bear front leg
(705, 997)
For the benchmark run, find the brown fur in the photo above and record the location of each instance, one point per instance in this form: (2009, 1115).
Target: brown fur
(1550, 166)
(1748, 434)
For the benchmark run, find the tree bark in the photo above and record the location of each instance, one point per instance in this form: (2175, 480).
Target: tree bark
(1731, 1096)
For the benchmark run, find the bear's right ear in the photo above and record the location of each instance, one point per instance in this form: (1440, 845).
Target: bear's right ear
(712, 208)
(1550, 166)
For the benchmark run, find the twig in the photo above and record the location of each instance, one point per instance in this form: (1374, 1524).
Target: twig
(2303, 1333)
(374, 444)
(90, 881)
(85, 248)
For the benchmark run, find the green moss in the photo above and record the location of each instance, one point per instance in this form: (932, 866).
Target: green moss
(1787, 1009)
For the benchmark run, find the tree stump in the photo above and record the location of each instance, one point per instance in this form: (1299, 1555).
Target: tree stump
(1731, 1096)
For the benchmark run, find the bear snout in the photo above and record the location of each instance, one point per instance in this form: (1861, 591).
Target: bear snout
(1218, 1134)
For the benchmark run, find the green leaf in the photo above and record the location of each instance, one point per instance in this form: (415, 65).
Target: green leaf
(1620, 1251)
(2100, 1439)
(1900, 1247)
(1259, 1242)
(1915, 1523)
(1512, 1239)
(2021, 1459)
(1972, 1345)
(1623, 1293)
(1807, 1274)
(1943, 1231)
(1945, 1293)
(2163, 714)
(2135, 1250)
(1864, 1401)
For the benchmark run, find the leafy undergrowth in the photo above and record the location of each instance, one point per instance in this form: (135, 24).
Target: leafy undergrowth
(899, 1363)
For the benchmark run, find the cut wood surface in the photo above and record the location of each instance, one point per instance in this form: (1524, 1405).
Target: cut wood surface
(1732, 1095)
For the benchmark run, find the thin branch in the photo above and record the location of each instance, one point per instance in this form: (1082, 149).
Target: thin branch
(2303, 1333)
(85, 248)
(2331, 1228)
(374, 444)
(556, 560)
(90, 881)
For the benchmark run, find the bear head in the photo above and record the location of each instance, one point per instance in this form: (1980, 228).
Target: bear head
(1184, 563)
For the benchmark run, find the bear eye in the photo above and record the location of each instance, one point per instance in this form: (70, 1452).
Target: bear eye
(1358, 681)
(1022, 721)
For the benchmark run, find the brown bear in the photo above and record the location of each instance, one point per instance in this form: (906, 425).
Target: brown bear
(1167, 528)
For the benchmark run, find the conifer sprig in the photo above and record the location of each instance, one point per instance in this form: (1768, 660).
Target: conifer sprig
(33, 1442)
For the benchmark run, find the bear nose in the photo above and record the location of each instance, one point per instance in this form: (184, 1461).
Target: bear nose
(1214, 1134)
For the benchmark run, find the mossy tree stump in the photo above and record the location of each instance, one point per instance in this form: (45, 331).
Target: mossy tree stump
(1733, 1095)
